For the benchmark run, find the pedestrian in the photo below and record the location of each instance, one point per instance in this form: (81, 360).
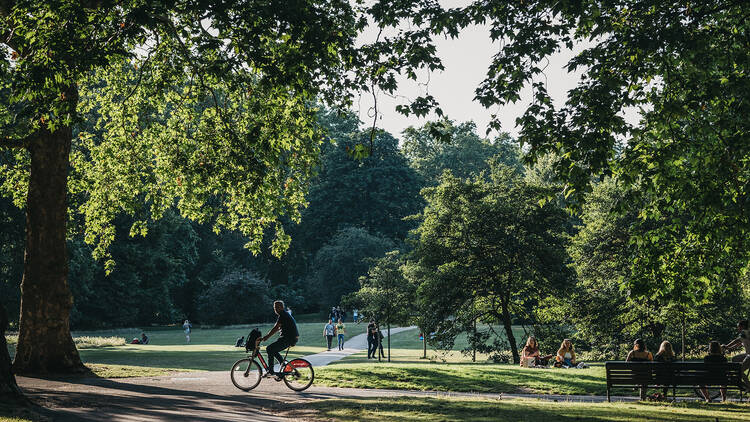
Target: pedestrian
(332, 314)
(380, 341)
(328, 331)
(355, 314)
(340, 331)
(187, 327)
(372, 342)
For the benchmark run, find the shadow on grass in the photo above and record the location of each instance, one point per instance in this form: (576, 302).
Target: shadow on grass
(465, 378)
(432, 409)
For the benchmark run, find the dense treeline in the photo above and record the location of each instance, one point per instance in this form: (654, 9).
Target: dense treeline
(481, 238)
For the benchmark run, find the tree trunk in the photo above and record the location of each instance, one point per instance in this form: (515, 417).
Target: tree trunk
(683, 336)
(389, 342)
(509, 333)
(474, 343)
(9, 390)
(424, 344)
(44, 343)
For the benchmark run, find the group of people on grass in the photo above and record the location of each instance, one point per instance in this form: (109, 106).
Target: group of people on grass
(332, 330)
(531, 357)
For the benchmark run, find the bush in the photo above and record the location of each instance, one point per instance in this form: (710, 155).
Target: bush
(87, 342)
(239, 297)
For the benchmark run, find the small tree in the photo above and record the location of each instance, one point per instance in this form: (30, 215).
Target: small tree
(386, 294)
(487, 252)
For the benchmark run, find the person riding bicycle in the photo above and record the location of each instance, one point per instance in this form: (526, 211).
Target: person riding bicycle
(287, 338)
(744, 340)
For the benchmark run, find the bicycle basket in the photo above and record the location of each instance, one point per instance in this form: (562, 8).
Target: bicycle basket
(251, 339)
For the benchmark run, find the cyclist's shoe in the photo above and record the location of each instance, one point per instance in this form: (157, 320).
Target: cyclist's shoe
(269, 374)
(278, 377)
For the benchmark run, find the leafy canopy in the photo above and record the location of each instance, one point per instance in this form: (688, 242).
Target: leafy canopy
(206, 105)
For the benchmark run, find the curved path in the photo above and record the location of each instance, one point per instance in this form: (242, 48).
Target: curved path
(191, 396)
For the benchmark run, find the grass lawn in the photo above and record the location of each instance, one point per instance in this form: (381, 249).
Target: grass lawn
(454, 371)
(428, 409)
(209, 349)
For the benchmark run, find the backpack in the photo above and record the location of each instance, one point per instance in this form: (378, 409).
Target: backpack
(251, 339)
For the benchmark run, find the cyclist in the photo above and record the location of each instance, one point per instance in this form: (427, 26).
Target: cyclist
(287, 338)
(744, 340)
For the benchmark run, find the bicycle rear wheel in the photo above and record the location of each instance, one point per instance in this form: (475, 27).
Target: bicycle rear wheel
(298, 374)
(246, 374)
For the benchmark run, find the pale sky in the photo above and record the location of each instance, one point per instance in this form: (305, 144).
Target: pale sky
(466, 60)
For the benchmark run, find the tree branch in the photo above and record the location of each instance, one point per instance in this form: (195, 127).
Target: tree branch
(12, 143)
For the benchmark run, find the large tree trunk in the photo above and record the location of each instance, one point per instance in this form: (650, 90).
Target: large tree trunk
(509, 332)
(44, 343)
(9, 390)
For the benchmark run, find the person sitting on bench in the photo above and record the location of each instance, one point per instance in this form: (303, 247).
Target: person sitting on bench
(639, 353)
(715, 355)
(665, 353)
(744, 358)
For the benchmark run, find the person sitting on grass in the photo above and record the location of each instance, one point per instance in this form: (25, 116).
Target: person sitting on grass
(144, 338)
(530, 352)
(566, 355)
(715, 355)
(665, 353)
(639, 353)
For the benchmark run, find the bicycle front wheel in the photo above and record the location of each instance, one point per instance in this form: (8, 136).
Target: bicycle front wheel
(298, 374)
(246, 374)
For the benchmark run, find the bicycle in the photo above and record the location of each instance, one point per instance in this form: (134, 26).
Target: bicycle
(246, 373)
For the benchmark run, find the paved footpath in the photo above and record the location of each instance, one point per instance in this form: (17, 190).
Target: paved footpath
(190, 396)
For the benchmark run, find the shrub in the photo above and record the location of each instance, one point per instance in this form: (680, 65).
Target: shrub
(87, 342)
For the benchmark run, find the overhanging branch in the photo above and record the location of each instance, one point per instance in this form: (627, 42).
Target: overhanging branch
(11, 143)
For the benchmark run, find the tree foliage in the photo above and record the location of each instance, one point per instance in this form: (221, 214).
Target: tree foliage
(337, 266)
(385, 293)
(235, 298)
(444, 145)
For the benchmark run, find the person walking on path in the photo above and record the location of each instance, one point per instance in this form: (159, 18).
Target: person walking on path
(372, 342)
(356, 314)
(380, 341)
(328, 332)
(288, 337)
(188, 328)
(340, 332)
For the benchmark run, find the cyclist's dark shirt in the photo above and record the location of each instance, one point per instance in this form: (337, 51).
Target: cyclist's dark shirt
(288, 326)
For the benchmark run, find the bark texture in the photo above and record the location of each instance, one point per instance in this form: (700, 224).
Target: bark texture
(45, 344)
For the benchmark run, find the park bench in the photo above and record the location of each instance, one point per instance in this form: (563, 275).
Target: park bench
(675, 375)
